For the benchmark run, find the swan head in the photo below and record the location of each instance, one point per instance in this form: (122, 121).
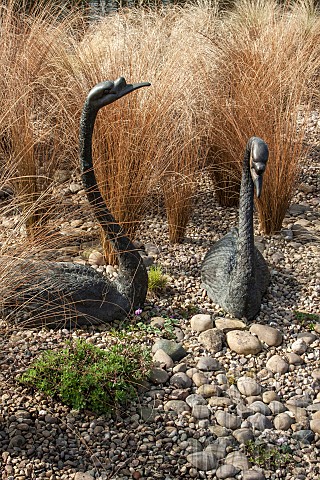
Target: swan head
(108, 92)
(259, 154)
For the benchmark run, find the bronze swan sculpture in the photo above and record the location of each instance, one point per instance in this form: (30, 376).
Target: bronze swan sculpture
(53, 293)
(234, 272)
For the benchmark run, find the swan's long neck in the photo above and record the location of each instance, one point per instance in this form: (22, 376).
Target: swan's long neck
(130, 261)
(245, 247)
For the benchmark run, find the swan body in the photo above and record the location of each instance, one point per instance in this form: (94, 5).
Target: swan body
(234, 272)
(51, 293)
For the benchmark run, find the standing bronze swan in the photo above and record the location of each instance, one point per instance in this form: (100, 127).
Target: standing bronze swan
(51, 293)
(234, 272)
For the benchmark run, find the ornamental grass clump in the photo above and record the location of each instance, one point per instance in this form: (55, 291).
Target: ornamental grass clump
(84, 376)
(157, 281)
(263, 58)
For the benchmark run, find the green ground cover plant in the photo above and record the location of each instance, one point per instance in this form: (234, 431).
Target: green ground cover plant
(84, 376)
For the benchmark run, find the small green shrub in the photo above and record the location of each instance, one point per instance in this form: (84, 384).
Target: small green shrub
(268, 456)
(85, 376)
(156, 279)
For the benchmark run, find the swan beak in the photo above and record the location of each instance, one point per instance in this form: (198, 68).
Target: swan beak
(131, 87)
(258, 184)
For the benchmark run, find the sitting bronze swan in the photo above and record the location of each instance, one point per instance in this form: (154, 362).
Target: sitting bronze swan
(234, 272)
(53, 293)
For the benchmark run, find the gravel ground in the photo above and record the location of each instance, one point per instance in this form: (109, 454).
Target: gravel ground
(206, 399)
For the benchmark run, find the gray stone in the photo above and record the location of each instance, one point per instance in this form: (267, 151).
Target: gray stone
(202, 461)
(181, 367)
(243, 343)
(212, 339)
(228, 324)
(96, 258)
(316, 374)
(157, 322)
(243, 435)
(314, 407)
(304, 436)
(180, 380)
(269, 335)
(195, 399)
(283, 421)
(253, 474)
(163, 358)
(299, 346)
(147, 414)
(199, 379)
(83, 476)
(228, 420)
(315, 425)
(258, 421)
(317, 327)
(219, 446)
(220, 402)
(244, 411)
(227, 471)
(277, 364)
(299, 401)
(307, 337)
(200, 411)
(173, 349)
(238, 459)
(270, 396)
(17, 441)
(260, 407)
(277, 407)
(158, 375)
(208, 364)
(195, 445)
(201, 322)
(248, 386)
(209, 390)
(298, 412)
(219, 431)
(178, 406)
(222, 379)
(294, 359)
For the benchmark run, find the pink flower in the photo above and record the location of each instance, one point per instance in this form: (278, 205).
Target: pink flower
(138, 311)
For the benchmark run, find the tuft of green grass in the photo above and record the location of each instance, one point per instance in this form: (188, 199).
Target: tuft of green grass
(157, 281)
(307, 319)
(84, 376)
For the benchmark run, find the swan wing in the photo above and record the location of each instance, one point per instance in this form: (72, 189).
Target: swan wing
(217, 267)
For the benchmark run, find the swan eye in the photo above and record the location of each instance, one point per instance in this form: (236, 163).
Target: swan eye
(259, 167)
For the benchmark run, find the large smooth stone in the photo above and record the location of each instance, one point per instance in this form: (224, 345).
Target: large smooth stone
(201, 322)
(203, 461)
(212, 339)
(238, 459)
(226, 471)
(228, 420)
(178, 406)
(227, 324)
(243, 343)
(283, 421)
(248, 386)
(269, 335)
(173, 349)
(277, 364)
